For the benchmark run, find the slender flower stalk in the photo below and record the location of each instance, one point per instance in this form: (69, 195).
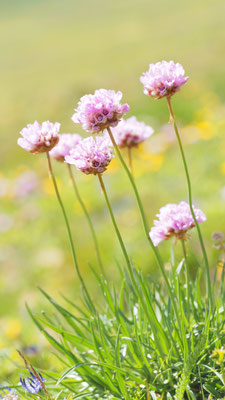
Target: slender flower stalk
(67, 225)
(88, 218)
(187, 277)
(126, 256)
(130, 161)
(208, 283)
(114, 223)
(92, 156)
(155, 250)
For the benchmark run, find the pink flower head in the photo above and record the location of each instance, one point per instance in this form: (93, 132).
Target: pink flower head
(67, 141)
(163, 79)
(91, 156)
(174, 220)
(130, 132)
(100, 110)
(39, 138)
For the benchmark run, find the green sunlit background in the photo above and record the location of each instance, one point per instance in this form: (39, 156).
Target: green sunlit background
(52, 53)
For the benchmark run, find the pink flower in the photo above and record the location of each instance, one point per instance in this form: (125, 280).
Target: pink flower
(25, 184)
(163, 79)
(130, 132)
(39, 138)
(174, 220)
(91, 156)
(100, 110)
(67, 141)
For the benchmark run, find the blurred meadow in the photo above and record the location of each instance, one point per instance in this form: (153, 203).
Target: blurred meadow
(53, 52)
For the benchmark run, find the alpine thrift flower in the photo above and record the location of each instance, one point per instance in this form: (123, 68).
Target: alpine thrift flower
(100, 110)
(32, 384)
(67, 141)
(163, 79)
(91, 156)
(39, 138)
(130, 132)
(174, 220)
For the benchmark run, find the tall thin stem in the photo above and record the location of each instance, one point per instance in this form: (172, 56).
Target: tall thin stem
(130, 161)
(172, 117)
(91, 226)
(187, 277)
(155, 250)
(127, 259)
(114, 223)
(67, 226)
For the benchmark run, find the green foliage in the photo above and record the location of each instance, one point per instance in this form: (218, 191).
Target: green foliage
(118, 349)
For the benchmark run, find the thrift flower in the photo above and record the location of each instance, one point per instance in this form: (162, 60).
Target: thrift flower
(163, 79)
(91, 156)
(39, 138)
(67, 141)
(100, 110)
(130, 132)
(32, 384)
(174, 220)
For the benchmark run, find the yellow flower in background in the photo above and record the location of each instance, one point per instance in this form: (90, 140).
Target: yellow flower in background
(218, 355)
(223, 168)
(147, 162)
(48, 186)
(77, 208)
(205, 129)
(12, 328)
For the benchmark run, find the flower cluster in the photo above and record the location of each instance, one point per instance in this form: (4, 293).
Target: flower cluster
(163, 79)
(32, 384)
(91, 156)
(174, 220)
(130, 132)
(67, 141)
(39, 138)
(100, 110)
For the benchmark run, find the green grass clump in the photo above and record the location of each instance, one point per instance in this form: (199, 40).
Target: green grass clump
(118, 349)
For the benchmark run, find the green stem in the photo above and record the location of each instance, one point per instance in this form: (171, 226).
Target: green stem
(87, 216)
(155, 250)
(130, 161)
(114, 223)
(187, 277)
(172, 117)
(67, 226)
(128, 262)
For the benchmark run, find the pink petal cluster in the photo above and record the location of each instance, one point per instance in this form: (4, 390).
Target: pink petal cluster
(163, 79)
(174, 220)
(91, 156)
(39, 138)
(100, 110)
(130, 132)
(67, 141)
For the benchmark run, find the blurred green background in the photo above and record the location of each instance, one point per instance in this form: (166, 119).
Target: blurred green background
(52, 53)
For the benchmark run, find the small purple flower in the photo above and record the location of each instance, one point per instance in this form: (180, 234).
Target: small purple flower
(67, 141)
(163, 79)
(91, 156)
(100, 110)
(7, 394)
(32, 384)
(39, 138)
(130, 132)
(174, 220)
